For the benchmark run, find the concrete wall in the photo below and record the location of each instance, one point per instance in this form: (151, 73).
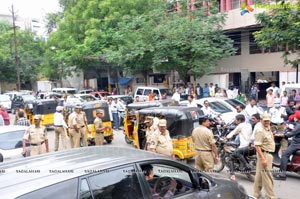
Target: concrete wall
(221, 79)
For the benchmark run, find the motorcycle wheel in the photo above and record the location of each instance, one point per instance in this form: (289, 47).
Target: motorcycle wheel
(127, 140)
(219, 166)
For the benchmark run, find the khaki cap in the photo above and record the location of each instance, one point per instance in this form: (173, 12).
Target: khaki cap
(265, 116)
(78, 107)
(162, 122)
(37, 117)
(99, 111)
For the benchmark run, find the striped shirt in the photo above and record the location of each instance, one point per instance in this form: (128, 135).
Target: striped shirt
(23, 122)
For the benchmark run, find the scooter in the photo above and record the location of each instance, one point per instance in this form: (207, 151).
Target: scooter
(294, 161)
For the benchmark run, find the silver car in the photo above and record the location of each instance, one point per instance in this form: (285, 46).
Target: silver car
(109, 172)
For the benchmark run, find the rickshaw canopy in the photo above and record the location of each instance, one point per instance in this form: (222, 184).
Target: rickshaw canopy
(90, 110)
(44, 106)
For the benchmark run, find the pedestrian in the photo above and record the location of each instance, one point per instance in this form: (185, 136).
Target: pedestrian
(284, 99)
(99, 128)
(265, 146)
(205, 90)
(290, 109)
(18, 109)
(191, 101)
(36, 134)
(254, 92)
(199, 91)
(205, 145)
(150, 129)
(60, 128)
(115, 108)
(176, 96)
(161, 141)
(274, 88)
(211, 90)
(77, 123)
(270, 99)
(5, 115)
(137, 99)
(22, 121)
(129, 91)
(252, 109)
(207, 111)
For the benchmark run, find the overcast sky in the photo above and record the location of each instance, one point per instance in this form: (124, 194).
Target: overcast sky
(29, 8)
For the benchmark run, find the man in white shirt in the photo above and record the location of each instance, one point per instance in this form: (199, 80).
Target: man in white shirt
(191, 101)
(244, 130)
(274, 88)
(115, 108)
(252, 109)
(207, 110)
(176, 96)
(59, 128)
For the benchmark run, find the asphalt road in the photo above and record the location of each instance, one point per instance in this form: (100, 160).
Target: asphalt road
(288, 189)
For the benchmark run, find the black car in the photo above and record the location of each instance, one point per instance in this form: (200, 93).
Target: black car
(108, 172)
(22, 101)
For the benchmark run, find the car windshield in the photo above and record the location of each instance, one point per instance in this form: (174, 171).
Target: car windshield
(28, 97)
(125, 100)
(11, 140)
(235, 103)
(219, 107)
(165, 90)
(4, 98)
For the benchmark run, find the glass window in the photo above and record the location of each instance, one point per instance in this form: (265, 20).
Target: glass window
(166, 181)
(218, 107)
(156, 93)
(235, 4)
(235, 103)
(11, 140)
(147, 91)
(85, 192)
(116, 184)
(66, 189)
(253, 46)
(139, 91)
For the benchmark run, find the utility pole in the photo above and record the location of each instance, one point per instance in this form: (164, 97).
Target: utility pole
(16, 48)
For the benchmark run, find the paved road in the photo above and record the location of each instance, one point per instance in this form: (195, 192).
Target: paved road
(288, 189)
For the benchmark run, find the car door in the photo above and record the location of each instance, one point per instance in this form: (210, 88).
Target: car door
(169, 171)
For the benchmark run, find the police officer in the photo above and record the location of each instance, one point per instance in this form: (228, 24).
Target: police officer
(78, 124)
(205, 146)
(37, 136)
(150, 129)
(59, 128)
(264, 145)
(99, 128)
(161, 141)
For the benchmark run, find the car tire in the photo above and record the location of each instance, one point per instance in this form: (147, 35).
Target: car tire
(1, 157)
(127, 140)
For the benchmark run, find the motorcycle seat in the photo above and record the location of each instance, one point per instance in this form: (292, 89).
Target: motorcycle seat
(297, 153)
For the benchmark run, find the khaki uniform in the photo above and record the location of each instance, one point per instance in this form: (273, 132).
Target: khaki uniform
(162, 144)
(203, 139)
(78, 120)
(37, 138)
(99, 136)
(149, 133)
(17, 115)
(284, 143)
(263, 178)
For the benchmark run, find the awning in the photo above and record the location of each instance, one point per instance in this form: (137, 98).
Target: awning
(125, 80)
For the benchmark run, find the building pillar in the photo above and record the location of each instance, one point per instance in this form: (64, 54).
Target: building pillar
(228, 5)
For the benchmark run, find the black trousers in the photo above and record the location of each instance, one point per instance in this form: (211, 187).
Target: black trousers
(285, 157)
(240, 154)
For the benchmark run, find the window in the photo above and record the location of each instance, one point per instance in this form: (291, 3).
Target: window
(155, 92)
(11, 140)
(237, 40)
(66, 189)
(85, 192)
(235, 4)
(147, 91)
(116, 184)
(253, 46)
(140, 80)
(139, 91)
(163, 178)
(218, 107)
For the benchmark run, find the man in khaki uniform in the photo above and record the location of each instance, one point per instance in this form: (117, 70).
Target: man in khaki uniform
(149, 131)
(161, 141)
(59, 128)
(37, 136)
(99, 128)
(265, 145)
(205, 146)
(78, 124)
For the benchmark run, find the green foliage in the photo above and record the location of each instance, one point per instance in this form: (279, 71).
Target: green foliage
(281, 27)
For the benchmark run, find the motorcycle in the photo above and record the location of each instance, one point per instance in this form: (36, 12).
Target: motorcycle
(294, 161)
(226, 149)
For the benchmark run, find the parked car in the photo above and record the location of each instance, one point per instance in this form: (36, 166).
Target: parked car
(109, 172)
(143, 93)
(11, 142)
(22, 101)
(86, 97)
(100, 94)
(86, 91)
(6, 102)
(12, 94)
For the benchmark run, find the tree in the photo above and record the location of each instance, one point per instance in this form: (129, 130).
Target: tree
(281, 26)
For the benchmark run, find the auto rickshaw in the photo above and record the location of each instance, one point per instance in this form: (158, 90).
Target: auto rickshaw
(130, 115)
(44, 107)
(180, 122)
(90, 110)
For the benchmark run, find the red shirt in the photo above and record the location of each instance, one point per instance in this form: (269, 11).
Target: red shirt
(5, 116)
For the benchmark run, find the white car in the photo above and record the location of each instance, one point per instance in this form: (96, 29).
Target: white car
(227, 113)
(6, 102)
(86, 97)
(11, 142)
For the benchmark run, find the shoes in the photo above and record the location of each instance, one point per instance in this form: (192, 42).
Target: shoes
(279, 177)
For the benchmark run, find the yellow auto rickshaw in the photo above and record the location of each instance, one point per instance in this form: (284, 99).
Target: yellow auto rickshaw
(90, 110)
(180, 122)
(44, 107)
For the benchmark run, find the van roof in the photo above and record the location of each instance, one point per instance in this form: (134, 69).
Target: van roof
(149, 87)
(16, 178)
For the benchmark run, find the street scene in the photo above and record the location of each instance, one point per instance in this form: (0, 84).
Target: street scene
(149, 99)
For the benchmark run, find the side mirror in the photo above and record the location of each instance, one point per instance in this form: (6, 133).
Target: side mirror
(204, 184)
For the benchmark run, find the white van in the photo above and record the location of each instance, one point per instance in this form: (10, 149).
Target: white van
(288, 88)
(65, 90)
(143, 93)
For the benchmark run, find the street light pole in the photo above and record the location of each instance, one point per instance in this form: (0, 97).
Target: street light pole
(16, 49)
